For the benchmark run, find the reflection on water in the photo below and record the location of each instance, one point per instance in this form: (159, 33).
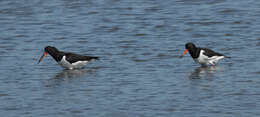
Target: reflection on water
(66, 76)
(75, 73)
(204, 72)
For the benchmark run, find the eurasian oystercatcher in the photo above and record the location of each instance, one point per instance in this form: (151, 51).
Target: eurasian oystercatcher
(203, 56)
(67, 60)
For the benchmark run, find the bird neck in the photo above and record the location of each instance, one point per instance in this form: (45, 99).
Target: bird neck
(57, 55)
(194, 52)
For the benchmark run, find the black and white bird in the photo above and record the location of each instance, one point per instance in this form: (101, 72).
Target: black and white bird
(67, 60)
(203, 56)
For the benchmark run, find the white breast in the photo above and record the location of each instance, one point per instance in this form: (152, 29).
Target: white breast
(64, 63)
(202, 59)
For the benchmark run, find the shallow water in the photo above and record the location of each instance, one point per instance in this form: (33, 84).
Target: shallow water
(140, 72)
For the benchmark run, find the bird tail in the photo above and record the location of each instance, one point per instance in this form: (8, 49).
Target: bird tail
(95, 58)
(227, 56)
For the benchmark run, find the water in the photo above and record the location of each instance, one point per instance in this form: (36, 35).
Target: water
(139, 73)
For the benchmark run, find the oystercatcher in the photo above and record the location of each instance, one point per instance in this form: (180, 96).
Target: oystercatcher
(203, 56)
(67, 60)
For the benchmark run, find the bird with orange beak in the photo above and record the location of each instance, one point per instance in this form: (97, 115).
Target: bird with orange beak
(203, 56)
(67, 60)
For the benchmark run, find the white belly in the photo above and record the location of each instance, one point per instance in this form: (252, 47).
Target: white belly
(204, 60)
(77, 65)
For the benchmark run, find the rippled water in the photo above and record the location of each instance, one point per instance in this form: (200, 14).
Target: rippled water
(139, 73)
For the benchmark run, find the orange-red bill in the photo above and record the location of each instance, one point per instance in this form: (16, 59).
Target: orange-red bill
(186, 50)
(44, 54)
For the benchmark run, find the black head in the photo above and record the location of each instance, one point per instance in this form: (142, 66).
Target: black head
(190, 46)
(50, 49)
(54, 52)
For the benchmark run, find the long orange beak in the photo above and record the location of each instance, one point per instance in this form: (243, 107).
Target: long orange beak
(44, 54)
(186, 50)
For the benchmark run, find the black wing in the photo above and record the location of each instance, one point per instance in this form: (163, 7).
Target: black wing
(72, 57)
(210, 53)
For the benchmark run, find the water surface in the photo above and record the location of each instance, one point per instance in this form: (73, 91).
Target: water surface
(140, 72)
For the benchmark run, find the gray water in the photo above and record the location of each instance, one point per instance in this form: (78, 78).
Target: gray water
(139, 73)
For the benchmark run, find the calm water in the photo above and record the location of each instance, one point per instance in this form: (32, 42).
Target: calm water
(139, 73)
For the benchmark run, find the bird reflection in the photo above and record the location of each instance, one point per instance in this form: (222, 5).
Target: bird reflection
(73, 73)
(67, 75)
(204, 71)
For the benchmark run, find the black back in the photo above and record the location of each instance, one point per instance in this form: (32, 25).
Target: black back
(72, 57)
(210, 53)
(195, 52)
